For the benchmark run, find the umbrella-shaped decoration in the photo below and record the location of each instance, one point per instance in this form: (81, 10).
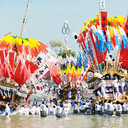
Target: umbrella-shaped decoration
(22, 45)
(21, 67)
(105, 34)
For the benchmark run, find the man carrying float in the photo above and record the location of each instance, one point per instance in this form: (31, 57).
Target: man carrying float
(116, 84)
(102, 84)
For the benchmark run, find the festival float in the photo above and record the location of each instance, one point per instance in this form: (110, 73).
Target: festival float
(105, 41)
(23, 63)
(74, 71)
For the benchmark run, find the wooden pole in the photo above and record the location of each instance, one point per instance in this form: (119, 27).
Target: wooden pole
(117, 59)
(12, 100)
(24, 18)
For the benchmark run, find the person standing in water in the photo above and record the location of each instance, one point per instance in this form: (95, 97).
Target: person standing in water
(110, 108)
(118, 108)
(35, 102)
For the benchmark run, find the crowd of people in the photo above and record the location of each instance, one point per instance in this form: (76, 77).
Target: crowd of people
(105, 108)
(110, 108)
(86, 106)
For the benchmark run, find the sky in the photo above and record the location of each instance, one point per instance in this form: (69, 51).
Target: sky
(45, 18)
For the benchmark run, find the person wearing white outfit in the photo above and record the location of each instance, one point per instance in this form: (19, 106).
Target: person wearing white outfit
(110, 108)
(76, 108)
(97, 108)
(26, 110)
(122, 85)
(38, 110)
(51, 108)
(58, 112)
(33, 110)
(7, 111)
(115, 84)
(43, 110)
(118, 108)
(66, 106)
(105, 113)
(125, 106)
(102, 84)
(20, 112)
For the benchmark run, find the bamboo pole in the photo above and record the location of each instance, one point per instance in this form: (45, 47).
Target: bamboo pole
(24, 18)
(117, 59)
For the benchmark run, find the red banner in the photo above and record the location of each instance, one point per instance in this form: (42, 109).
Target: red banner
(126, 26)
(104, 20)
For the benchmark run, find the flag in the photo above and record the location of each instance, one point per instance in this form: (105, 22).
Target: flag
(104, 20)
(40, 58)
(84, 74)
(43, 70)
(39, 88)
(98, 48)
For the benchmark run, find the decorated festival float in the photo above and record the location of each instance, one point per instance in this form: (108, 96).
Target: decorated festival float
(104, 40)
(21, 59)
(23, 63)
(74, 71)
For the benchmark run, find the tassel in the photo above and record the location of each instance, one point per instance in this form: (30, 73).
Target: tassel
(11, 93)
(1, 92)
(8, 93)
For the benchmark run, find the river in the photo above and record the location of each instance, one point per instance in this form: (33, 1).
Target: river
(71, 121)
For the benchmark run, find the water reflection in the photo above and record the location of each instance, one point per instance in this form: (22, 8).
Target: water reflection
(71, 121)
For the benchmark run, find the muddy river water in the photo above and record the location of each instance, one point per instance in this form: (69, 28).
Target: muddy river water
(71, 121)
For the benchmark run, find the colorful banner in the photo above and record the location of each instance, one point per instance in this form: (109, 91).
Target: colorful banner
(104, 20)
(43, 70)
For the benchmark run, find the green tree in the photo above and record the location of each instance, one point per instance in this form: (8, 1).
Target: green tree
(57, 45)
(68, 52)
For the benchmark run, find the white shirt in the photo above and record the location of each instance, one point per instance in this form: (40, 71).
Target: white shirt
(7, 108)
(82, 107)
(102, 108)
(69, 105)
(76, 107)
(97, 107)
(118, 107)
(125, 106)
(102, 85)
(115, 83)
(110, 107)
(105, 105)
(58, 109)
(37, 110)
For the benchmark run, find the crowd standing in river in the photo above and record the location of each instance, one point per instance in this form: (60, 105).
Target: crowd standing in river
(63, 108)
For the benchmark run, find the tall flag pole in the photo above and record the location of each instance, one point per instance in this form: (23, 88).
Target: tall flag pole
(103, 15)
(24, 19)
